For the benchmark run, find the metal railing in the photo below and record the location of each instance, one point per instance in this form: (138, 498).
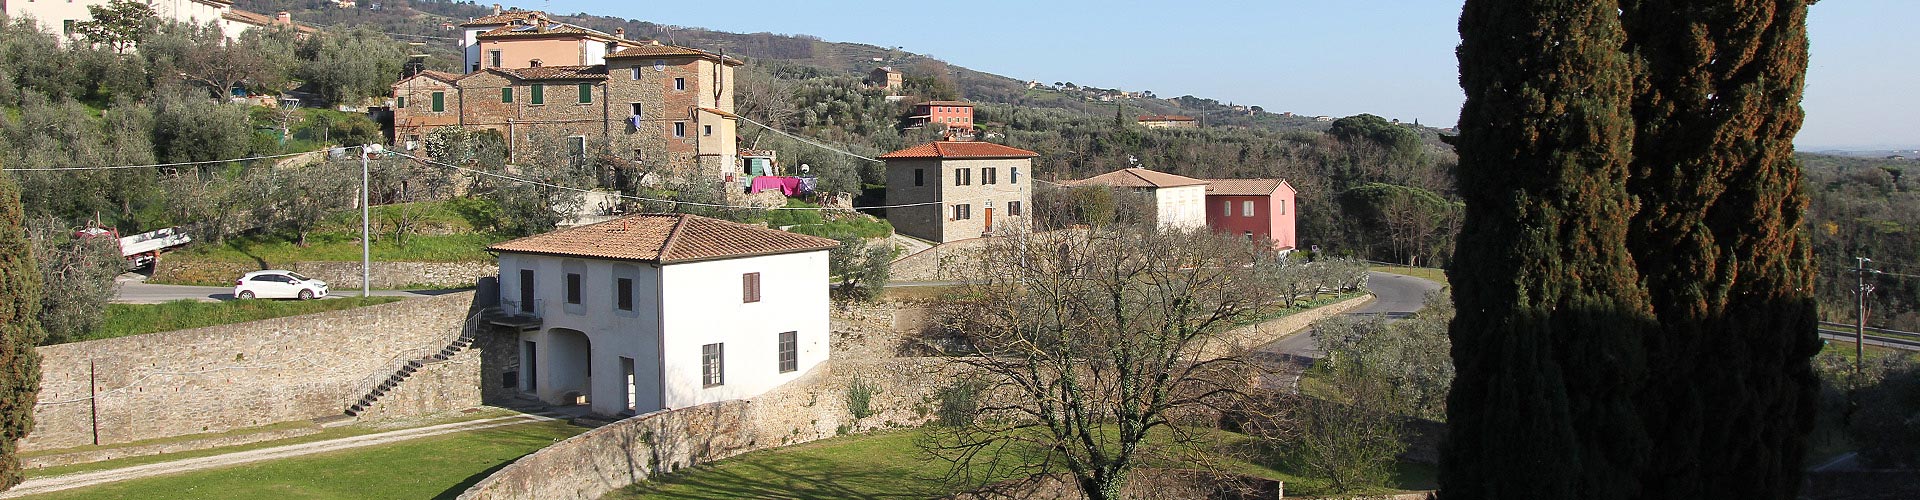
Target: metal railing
(399, 360)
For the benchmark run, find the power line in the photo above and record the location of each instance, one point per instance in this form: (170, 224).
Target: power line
(180, 164)
(524, 180)
(808, 141)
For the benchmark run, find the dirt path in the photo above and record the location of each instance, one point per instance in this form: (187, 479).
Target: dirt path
(85, 479)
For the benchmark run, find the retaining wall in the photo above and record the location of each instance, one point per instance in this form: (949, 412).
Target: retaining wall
(242, 375)
(341, 275)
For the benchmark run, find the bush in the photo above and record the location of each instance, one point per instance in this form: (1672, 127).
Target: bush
(959, 402)
(860, 397)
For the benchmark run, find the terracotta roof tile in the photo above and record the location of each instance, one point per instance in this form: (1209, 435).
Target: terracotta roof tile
(501, 18)
(959, 149)
(1243, 187)
(440, 75)
(596, 72)
(1138, 177)
(665, 239)
(656, 49)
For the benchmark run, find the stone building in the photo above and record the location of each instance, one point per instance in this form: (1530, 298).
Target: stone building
(964, 190)
(1178, 201)
(657, 105)
(524, 39)
(885, 77)
(658, 311)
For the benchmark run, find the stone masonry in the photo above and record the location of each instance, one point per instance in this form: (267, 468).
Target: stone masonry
(341, 276)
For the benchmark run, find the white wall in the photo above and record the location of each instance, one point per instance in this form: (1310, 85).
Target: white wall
(1182, 207)
(694, 304)
(703, 306)
(52, 14)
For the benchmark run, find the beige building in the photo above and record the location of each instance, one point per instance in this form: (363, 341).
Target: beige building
(1167, 121)
(960, 190)
(525, 39)
(1179, 202)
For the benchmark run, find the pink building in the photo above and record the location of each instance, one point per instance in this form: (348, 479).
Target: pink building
(1261, 209)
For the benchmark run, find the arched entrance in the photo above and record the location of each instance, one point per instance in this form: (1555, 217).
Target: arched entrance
(568, 367)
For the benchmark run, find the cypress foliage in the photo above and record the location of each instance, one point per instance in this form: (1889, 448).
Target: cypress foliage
(19, 331)
(1718, 241)
(1545, 339)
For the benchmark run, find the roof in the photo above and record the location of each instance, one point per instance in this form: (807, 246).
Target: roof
(946, 103)
(1164, 118)
(1243, 187)
(437, 75)
(657, 49)
(956, 150)
(501, 18)
(665, 239)
(1138, 178)
(595, 72)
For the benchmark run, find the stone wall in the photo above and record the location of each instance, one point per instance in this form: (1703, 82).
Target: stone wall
(235, 376)
(434, 388)
(955, 260)
(341, 276)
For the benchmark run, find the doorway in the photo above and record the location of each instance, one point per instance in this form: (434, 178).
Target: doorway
(989, 220)
(626, 376)
(529, 358)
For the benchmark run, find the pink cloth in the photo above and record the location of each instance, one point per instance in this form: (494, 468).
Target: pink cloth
(790, 186)
(766, 182)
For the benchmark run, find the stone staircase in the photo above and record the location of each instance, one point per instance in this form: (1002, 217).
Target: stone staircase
(412, 366)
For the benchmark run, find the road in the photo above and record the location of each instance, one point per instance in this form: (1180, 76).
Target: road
(134, 291)
(1395, 296)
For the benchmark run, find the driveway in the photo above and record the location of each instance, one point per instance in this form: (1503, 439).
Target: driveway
(133, 290)
(1395, 296)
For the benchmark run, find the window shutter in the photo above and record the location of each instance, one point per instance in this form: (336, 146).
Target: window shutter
(586, 93)
(750, 287)
(506, 94)
(539, 94)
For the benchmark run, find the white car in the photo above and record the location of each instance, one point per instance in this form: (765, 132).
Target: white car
(278, 284)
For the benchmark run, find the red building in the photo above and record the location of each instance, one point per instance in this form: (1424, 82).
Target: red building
(953, 114)
(1260, 209)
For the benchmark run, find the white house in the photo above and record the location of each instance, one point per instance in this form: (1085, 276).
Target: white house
(60, 16)
(1179, 202)
(657, 311)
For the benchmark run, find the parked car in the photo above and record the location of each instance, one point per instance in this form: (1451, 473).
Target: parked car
(278, 284)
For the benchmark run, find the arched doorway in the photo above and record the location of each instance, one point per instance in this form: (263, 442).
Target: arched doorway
(568, 367)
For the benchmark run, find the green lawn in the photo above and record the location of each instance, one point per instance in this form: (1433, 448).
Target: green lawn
(433, 467)
(134, 319)
(890, 464)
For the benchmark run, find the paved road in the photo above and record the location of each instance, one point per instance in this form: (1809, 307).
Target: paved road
(1395, 296)
(134, 291)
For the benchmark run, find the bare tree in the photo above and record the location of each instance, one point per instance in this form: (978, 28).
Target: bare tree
(1089, 341)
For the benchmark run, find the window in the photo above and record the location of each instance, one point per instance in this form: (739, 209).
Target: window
(919, 177)
(706, 130)
(400, 102)
(789, 351)
(1281, 207)
(1013, 208)
(506, 94)
(539, 94)
(636, 72)
(493, 56)
(439, 102)
(526, 290)
(1013, 175)
(962, 177)
(659, 65)
(712, 365)
(586, 93)
(679, 84)
(573, 288)
(1249, 235)
(637, 109)
(679, 129)
(67, 26)
(750, 287)
(1246, 208)
(989, 175)
(962, 212)
(623, 294)
(577, 149)
(1226, 208)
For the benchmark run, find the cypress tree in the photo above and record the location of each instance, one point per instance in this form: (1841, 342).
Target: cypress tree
(19, 331)
(1719, 244)
(1546, 339)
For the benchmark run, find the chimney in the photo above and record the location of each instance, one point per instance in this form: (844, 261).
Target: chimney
(496, 9)
(620, 33)
(282, 17)
(543, 23)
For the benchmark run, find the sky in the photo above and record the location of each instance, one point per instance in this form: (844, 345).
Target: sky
(1392, 58)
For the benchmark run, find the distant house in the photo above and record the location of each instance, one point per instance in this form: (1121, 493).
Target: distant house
(885, 77)
(952, 114)
(657, 311)
(1258, 209)
(62, 17)
(959, 190)
(1167, 121)
(1177, 199)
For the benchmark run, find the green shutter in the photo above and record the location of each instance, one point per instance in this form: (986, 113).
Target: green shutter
(539, 94)
(439, 101)
(401, 102)
(586, 93)
(506, 94)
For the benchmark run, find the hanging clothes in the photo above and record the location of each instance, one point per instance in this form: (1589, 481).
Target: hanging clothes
(807, 184)
(790, 186)
(765, 183)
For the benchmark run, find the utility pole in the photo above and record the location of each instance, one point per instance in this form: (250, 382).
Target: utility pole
(1860, 308)
(366, 242)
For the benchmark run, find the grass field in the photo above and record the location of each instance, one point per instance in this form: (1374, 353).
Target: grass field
(891, 465)
(134, 319)
(433, 467)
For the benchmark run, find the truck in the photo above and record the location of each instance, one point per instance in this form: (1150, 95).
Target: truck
(140, 250)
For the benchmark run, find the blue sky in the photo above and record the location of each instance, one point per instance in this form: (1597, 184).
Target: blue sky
(1392, 58)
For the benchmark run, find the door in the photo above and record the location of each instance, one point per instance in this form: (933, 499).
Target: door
(526, 290)
(272, 286)
(530, 360)
(626, 373)
(989, 221)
